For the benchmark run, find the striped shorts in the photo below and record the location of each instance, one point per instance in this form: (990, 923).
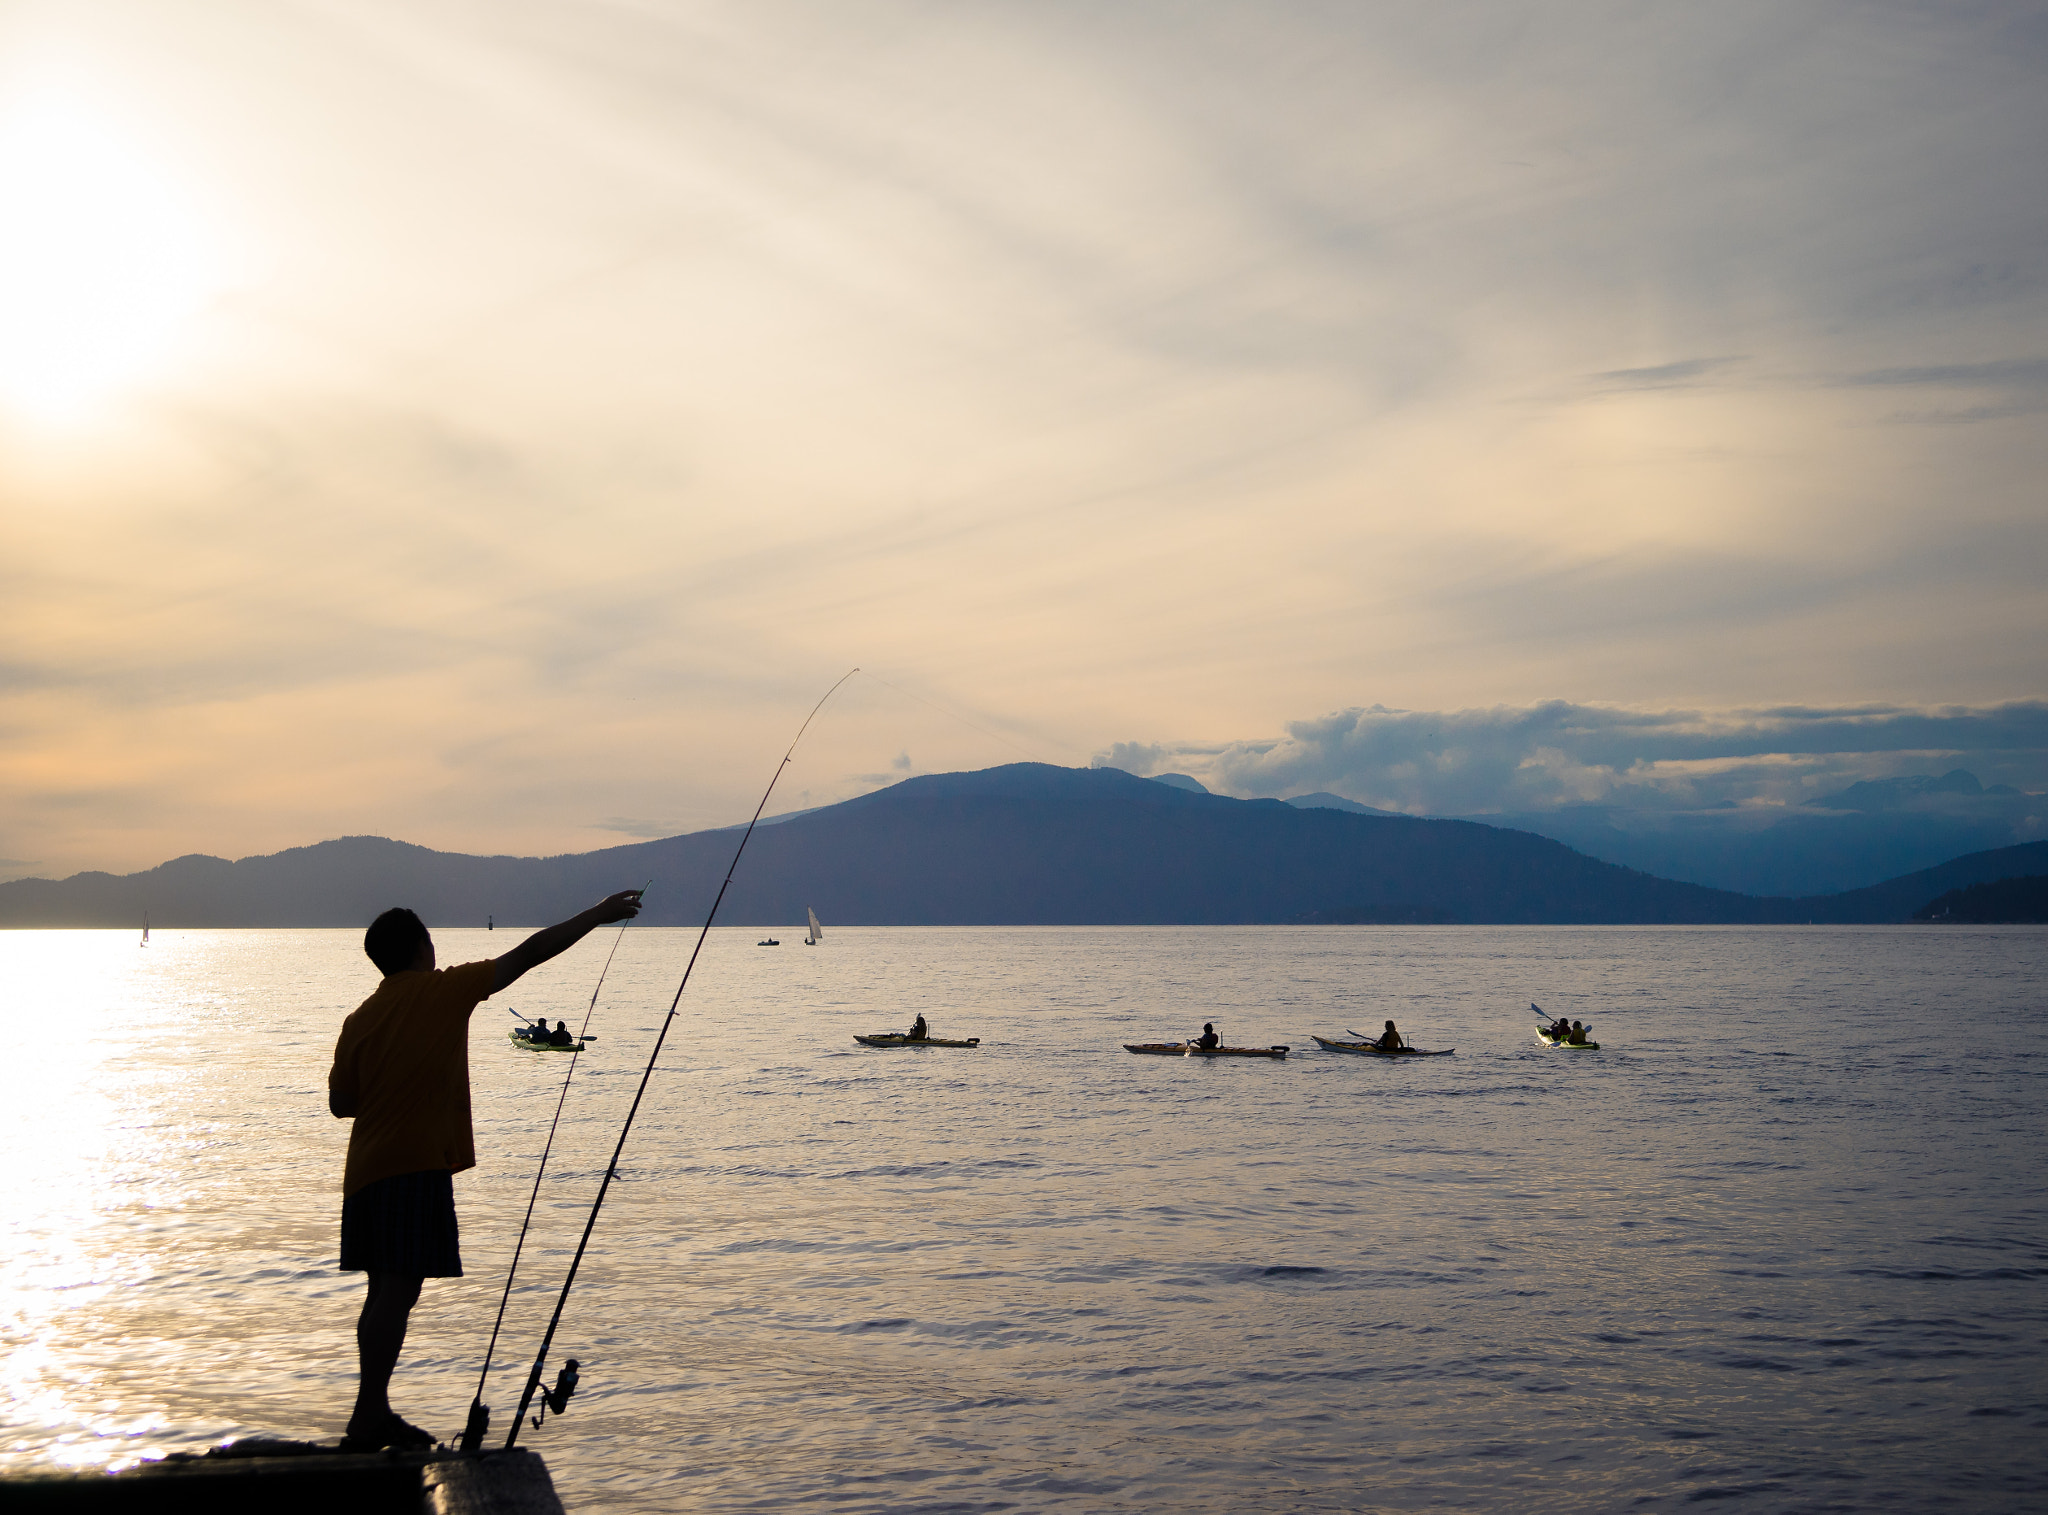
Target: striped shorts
(404, 1224)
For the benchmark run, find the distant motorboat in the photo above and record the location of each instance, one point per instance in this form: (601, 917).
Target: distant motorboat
(817, 932)
(770, 942)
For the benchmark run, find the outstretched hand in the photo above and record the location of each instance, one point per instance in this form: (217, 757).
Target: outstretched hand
(547, 943)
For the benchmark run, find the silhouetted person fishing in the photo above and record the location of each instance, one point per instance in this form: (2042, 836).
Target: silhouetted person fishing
(401, 1070)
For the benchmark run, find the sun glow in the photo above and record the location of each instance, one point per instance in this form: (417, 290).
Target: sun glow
(103, 258)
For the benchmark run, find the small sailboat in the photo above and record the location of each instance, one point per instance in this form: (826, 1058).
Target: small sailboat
(817, 932)
(145, 930)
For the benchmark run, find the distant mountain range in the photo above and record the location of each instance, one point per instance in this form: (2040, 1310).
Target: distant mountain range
(1873, 830)
(1023, 844)
(2008, 901)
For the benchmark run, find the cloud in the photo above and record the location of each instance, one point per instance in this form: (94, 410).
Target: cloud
(2030, 374)
(2020, 388)
(1542, 757)
(609, 380)
(647, 830)
(1679, 375)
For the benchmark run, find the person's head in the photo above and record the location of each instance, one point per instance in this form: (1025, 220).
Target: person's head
(398, 940)
(1576, 1026)
(561, 1025)
(1208, 1026)
(1390, 1025)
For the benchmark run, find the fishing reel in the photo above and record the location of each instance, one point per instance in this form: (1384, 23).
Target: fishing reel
(557, 1398)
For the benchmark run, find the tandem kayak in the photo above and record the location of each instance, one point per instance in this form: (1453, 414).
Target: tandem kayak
(1550, 1041)
(1329, 1046)
(898, 1039)
(1184, 1049)
(533, 1046)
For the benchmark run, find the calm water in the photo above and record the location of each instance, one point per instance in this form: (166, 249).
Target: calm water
(1782, 1244)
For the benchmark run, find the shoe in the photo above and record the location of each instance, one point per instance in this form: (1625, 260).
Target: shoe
(394, 1434)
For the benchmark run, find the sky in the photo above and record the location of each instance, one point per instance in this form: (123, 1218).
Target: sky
(495, 425)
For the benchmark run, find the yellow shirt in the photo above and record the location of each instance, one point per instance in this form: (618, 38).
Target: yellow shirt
(401, 1068)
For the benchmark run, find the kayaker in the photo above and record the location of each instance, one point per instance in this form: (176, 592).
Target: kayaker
(1577, 1035)
(1208, 1038)
(1390, 1039)
(560, 1036)
(401, 1072)
(917, 1032)
(1560, 1031)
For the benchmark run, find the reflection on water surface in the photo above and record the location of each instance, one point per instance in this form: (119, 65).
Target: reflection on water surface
(1782, 1241)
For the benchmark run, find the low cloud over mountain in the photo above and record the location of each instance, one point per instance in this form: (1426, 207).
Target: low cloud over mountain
(1779, 800)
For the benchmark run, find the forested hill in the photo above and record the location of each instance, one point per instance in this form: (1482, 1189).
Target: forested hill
(1023, 844)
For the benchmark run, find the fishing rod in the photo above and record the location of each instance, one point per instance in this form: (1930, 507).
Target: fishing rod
(478, 1425)
(565, 1383)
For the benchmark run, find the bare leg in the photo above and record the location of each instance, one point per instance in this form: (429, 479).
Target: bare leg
(380, 1336)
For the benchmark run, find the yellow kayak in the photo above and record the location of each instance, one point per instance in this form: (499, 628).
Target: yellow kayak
(531, 1045)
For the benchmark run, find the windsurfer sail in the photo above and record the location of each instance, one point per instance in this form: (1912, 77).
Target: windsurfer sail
(817, 932)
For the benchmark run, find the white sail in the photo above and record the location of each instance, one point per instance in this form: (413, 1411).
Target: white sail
(817, 931)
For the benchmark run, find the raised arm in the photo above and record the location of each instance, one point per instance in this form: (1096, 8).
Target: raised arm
(552, 940)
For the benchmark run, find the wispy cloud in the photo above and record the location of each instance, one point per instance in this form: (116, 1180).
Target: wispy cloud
(2027, 374)
(612, 376)
(1683, 374)
(626, 826)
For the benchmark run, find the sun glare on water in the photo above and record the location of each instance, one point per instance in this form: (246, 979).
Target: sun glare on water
(104, 260)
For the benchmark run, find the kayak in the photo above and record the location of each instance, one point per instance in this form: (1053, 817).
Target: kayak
(533, 1046)
(1549, 1041)
(1183, 1049)
(1329, 1046)
(898, 1039)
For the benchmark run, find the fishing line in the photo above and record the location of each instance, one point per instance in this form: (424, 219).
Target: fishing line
(568, 1379)
(954, 715)
(479, 1422)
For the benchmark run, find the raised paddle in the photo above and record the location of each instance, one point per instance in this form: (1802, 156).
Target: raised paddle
(542, 1023)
